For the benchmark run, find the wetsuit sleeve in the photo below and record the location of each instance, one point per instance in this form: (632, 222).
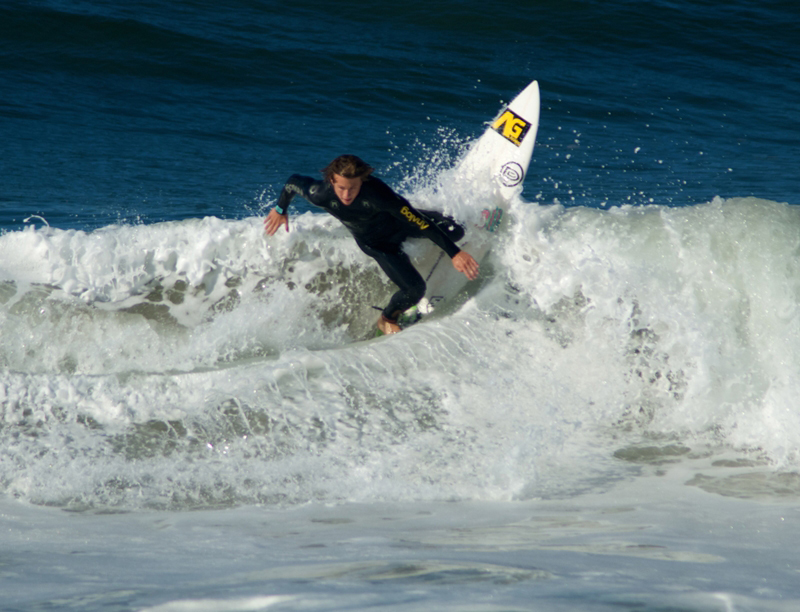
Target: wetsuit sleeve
(296, 185)
(418, 222)
(430, 230)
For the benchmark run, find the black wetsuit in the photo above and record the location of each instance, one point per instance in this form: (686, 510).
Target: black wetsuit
(380, 220)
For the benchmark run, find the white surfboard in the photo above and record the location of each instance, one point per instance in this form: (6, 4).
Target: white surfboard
(496, 163)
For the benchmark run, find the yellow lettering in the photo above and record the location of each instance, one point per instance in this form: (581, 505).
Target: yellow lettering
(511, 126)
(406, 212)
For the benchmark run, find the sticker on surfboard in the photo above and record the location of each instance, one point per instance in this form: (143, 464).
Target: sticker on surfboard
(511, 126)
(511, 174)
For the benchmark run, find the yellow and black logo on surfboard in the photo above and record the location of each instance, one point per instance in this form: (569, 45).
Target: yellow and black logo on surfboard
(511, 126)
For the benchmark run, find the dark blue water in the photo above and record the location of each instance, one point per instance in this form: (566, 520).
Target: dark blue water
(138, 111)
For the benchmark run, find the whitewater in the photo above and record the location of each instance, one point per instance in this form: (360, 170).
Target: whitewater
(677, 323)
(618, 384)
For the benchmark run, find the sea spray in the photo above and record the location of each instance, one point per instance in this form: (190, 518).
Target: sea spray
(199, 364)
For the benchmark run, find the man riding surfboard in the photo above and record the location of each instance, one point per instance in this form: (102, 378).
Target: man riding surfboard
(380, 220)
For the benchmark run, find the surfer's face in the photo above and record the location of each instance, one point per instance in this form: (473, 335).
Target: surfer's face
(346, 189)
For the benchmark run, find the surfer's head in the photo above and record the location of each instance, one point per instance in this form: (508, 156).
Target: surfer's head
(346, 189)
(348, 166)
(346, 173)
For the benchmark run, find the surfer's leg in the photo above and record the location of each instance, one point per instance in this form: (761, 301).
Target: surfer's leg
(411, 285)
(398, 267)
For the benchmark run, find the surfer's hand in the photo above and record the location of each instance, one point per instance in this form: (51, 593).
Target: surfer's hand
(274, 220)
(466, 264)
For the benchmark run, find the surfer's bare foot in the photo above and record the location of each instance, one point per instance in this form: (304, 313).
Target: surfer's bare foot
(387, 326)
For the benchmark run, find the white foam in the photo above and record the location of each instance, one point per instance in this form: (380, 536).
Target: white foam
(239, 604)
(598, 330)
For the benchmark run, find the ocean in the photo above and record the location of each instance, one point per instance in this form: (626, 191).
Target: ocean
(190, 420)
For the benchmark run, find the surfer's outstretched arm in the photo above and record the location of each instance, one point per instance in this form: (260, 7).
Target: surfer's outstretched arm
(466, 264)
(274, 220)
(303, 186)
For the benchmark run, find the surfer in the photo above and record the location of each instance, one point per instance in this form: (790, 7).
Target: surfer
(380, 220)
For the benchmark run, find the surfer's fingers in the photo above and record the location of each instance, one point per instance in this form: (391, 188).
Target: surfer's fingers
(273, 222)
(466, 264)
